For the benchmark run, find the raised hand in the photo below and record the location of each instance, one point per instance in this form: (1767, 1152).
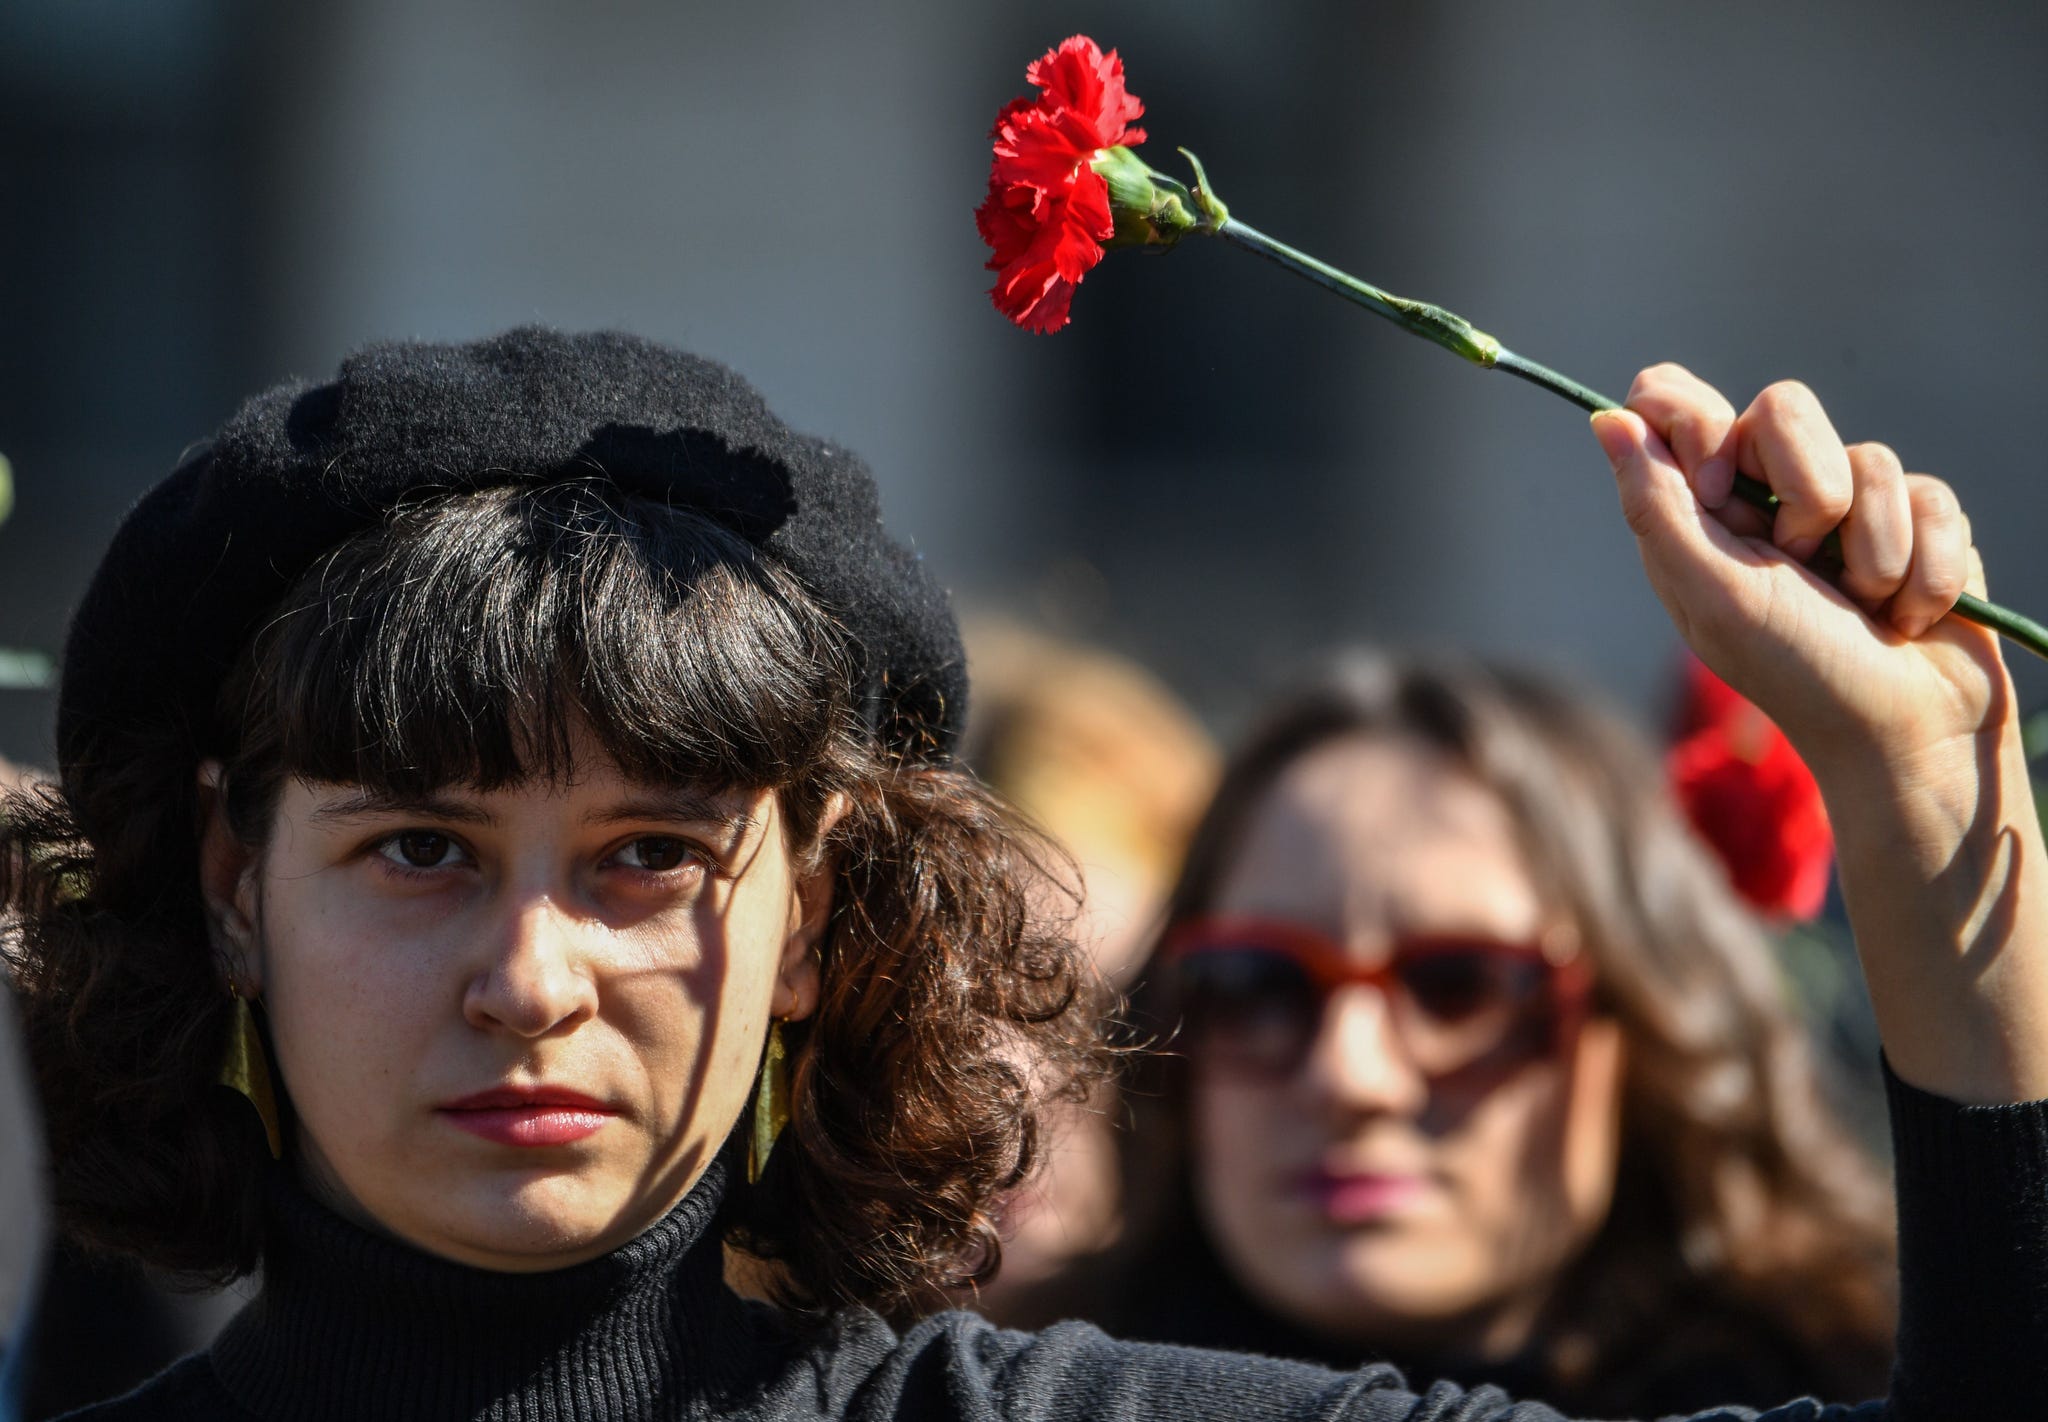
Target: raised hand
(1906, 716)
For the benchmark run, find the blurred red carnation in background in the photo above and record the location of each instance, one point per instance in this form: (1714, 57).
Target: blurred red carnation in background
(1752, 798)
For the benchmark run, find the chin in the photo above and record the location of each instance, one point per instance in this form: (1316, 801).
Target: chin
(524, 1225)
(1399, 1284)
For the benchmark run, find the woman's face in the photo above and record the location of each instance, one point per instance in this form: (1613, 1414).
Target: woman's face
(1357, 1195)
(515, 1025)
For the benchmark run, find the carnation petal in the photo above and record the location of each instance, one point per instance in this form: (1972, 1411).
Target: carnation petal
(1047, 211)
(1070, 74)
(1088, 222)
(1754, 801)
(1049, 313)
(1034, 295)
(1079, 77)
(1120, 107)
(1008, 115)
(1036, 151)
(1006, 229)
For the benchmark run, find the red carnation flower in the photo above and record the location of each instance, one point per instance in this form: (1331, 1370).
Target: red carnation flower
(1047, 212)
(1752, 798)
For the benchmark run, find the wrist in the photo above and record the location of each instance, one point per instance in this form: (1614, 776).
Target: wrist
(1925, 801)
(1946, 880)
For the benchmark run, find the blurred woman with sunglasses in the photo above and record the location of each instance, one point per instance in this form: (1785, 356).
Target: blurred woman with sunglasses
(1481, 1068)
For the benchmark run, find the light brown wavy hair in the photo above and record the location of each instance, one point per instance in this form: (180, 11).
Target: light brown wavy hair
(1745, 1215)
(466, 641)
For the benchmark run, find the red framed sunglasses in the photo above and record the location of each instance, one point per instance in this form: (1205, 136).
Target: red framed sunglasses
(1252, 994)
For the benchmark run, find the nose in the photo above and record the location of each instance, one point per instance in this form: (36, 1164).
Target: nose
(1357, 1062)
(536, 979)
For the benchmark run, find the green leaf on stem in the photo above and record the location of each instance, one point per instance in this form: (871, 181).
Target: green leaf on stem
(1214, 213)
(25, 671)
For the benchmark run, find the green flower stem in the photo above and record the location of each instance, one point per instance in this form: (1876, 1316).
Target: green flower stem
(1459, 336)
(1453, 332)
(1750, 491)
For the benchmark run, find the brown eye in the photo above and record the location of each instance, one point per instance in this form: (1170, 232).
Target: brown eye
(419, 849)
(657, 854)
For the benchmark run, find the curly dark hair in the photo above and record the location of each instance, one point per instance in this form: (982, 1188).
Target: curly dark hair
(469, 640)
(1747, 1222)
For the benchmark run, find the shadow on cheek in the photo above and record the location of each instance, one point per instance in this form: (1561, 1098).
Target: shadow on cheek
(681, 1014)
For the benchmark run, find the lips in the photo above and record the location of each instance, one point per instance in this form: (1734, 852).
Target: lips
(528, 1116)
(1349, 1197)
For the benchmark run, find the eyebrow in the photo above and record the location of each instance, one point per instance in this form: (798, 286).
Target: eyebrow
(674, 804)
(677, 804)
(379, 802)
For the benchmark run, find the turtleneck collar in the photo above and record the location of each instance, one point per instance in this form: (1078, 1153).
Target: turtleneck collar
(351, 1326)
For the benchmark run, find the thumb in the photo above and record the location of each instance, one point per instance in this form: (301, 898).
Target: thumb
(1658, 503)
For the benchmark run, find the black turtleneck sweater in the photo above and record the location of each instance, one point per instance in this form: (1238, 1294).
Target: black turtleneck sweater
(351, 1327)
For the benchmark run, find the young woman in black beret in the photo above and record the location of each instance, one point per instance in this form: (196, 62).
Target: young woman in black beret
(521, 768)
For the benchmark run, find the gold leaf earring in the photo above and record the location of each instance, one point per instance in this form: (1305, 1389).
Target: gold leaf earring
(771, 1103)
(245, 1068)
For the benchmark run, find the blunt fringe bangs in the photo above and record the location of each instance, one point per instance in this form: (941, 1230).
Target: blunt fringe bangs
(467, 641)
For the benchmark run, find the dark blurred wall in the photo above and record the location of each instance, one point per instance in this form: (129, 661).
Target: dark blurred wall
(1845, 192)
(1216, 467)
(128, 278)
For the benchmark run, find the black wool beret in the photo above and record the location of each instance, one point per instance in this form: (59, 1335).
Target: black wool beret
(207, 553)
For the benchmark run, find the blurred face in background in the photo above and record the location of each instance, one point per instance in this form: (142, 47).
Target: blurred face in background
(1406, 1126)
(1106, 760)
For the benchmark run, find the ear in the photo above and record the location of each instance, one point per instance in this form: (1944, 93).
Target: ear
(227, 883)
(800, 977)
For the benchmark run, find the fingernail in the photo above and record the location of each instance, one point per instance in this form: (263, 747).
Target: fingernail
(1801, 549)
(1715, 482)
(1616, 434)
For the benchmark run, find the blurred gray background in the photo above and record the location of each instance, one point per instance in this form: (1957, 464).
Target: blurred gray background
(1216, 468)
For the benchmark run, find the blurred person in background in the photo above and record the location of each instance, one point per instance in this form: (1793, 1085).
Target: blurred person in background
(1101, 755)
(1476, 1064)
(1104, 759)
(21, 1204)
(101, 1325)
(23, 1240)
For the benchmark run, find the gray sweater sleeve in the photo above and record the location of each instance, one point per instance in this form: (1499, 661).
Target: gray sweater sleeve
(1973, 1333)
(957, 1366)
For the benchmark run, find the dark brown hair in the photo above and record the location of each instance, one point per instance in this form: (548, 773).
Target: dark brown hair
(466, 641)
(1745, 1219)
